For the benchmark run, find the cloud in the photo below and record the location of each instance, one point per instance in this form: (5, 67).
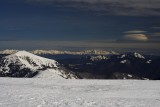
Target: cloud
(154, 37)
(157, 34)
(114, 7)
(135, 31)
(155, 27)
(135, 37)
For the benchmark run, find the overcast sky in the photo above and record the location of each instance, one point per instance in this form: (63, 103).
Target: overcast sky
(80, 24)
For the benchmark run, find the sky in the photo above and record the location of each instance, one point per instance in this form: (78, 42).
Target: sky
(128, 25)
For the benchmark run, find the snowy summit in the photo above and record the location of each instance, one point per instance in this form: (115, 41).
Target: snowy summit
(25, 64)
(28, 60)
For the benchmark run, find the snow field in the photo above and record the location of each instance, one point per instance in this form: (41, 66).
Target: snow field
(41, 92)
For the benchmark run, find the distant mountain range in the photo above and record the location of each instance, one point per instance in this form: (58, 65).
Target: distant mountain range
(131, 65)
(54, 52)
(88, 65)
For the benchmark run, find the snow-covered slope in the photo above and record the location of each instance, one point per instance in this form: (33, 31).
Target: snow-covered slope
(98, 58)
(25, 61)
(28, 60)
(78, 93)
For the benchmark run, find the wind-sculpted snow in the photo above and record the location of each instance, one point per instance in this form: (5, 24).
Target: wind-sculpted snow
(78, 93)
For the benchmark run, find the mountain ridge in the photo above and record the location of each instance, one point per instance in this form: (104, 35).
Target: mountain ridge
(24, 63)
(55, 52)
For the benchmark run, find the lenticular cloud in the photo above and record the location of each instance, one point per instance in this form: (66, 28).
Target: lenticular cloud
(135, 37)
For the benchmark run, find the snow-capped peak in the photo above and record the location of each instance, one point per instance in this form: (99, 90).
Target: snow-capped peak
(24, 63)
(137, 55)
(28, 60)
(132, 54)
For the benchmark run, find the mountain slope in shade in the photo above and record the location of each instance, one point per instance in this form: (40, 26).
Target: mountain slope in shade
(130, 65)
(25, 64)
